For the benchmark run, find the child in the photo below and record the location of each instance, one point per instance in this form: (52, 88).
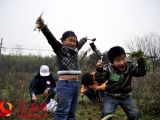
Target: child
(119, 74)
(67, 58)
(44, 83)
(93, 88)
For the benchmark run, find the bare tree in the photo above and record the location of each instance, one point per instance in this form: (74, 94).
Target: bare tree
(150, 45)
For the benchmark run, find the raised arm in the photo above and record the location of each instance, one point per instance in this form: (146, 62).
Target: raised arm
(47, 33)
(81, 42)
(139, 70)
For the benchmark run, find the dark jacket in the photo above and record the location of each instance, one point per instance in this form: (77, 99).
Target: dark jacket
(38, 83)
(67, 58)
(119, 83)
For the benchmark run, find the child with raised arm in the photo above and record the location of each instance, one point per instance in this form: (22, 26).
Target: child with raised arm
(68, 71)
(119, 74)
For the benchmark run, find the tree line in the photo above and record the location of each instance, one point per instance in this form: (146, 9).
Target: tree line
(149, 44)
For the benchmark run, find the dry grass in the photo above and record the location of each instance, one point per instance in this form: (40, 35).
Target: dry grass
(14, 89)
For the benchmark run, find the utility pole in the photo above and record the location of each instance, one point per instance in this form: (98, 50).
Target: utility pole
(1, 47)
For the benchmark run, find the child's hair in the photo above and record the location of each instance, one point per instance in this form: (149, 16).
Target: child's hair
(87, 79)
(68, 33)
(100, 77)
(114, 52)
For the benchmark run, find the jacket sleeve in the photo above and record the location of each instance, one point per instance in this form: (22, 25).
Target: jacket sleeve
(102, 72)
(81, 43)
(32, 86)
(83, 88)
(53, 81)
(102, 86)
(51, 39)
(139, 70)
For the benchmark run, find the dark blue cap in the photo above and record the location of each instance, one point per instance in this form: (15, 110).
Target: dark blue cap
(67, 34)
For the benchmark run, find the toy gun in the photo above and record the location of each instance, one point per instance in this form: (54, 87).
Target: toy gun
(92, 45)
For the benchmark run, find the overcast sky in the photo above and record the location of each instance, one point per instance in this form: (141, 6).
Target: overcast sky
(111, 22)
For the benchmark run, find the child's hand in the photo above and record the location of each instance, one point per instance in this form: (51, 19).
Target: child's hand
(98, 88)
(95, 89)
(100, 64)
(40, 23)
(82, 94)
(34, 98)
(45, 93)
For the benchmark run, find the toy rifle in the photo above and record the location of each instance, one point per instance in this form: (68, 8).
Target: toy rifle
(86, 52)
(95, 49)
(94, 39)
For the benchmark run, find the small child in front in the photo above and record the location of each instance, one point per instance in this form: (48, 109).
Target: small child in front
(68, 71)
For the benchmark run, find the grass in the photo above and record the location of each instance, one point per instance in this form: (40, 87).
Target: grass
(85, 111)
(14, 89)
(92, 111)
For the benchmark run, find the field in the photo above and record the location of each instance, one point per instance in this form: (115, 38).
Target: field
(14, 89)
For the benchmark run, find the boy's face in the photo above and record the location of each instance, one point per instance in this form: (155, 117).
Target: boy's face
(70, 41)
(120, 62)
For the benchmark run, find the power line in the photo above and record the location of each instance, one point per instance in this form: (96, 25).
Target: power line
(25, 45)
(19, 48)
(26, 49)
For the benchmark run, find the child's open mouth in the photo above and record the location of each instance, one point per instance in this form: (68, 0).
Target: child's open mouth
(122, 68)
